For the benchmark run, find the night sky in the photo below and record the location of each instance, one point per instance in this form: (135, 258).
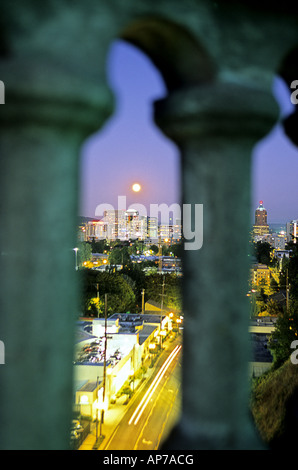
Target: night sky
(130, 148)
(275, 168)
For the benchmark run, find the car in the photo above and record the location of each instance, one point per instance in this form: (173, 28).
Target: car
(76, 428)
(75, 423)
(74, 434)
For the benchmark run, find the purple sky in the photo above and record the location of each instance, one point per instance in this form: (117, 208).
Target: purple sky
(275, 167)
(130, 148)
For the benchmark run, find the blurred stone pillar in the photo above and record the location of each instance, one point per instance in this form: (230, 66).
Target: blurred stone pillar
(51, 107)
(216, 127)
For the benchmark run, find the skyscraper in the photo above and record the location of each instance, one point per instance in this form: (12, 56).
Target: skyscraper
(152, 228)
(136, 225)
(96, 230)
(292, 231)
(260, 227)
(132, 219)
(116, 224)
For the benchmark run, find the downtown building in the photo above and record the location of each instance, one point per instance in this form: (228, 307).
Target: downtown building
(292, 231)
(152, 228)
(129, 225)
(136, 225)
(129, 346)
(169, 232)
(116, 224)
(261, 226)
(177, 230)
(95, 230)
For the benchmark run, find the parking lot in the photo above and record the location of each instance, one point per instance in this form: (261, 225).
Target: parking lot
(93, 352)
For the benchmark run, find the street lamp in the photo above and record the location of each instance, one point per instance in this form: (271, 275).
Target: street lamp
(132, 379)
(143, 293)
(76, 257)
(162, 334)
(104, 367)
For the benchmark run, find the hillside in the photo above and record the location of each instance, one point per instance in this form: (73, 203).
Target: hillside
(274, 406)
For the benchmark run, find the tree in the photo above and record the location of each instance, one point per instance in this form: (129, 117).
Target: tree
(84, 252)
(285, 332)
(99, 246)
(119, 256)
(262, 252)
(293, 274)
(172, 289)
(274, 286)
(136, 247)
(273, 308)
(121, 297)
(95, 307)
(154, 248)
(177, 249)
(135, 272)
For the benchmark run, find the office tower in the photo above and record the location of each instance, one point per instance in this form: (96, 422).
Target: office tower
(165, 231)
(131, 220)
(96, 230)
(260, 227)
(116, 224)
(152, 228)
(177, 230)
(136, 225)
(142, 227)
(292, 231)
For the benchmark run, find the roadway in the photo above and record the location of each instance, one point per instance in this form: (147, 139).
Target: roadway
(263, 325)
(154, 410)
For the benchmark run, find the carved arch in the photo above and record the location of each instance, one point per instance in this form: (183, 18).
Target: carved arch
(165, 43)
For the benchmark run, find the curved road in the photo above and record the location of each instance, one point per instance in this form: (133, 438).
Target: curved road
(155, 409)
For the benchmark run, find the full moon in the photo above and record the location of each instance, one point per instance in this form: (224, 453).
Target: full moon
(136, 187)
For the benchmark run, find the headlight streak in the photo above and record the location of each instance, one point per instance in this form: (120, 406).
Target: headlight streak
(145, 400)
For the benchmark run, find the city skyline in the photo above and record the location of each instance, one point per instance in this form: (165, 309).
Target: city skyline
(131, 149)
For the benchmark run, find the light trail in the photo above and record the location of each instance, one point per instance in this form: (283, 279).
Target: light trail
(145, 400)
